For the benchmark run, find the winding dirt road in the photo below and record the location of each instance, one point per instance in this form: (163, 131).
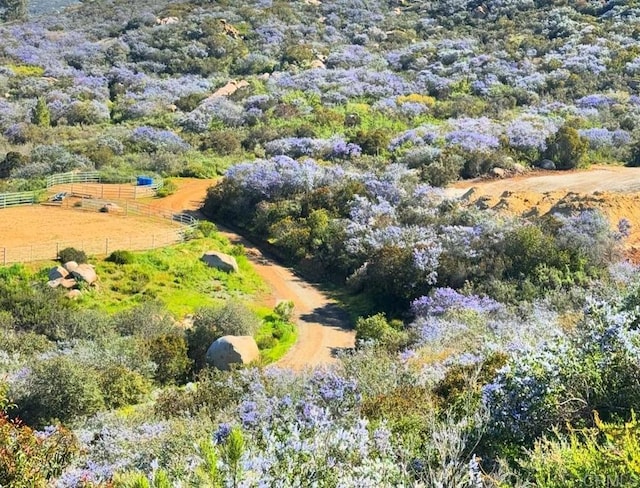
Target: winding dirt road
(323, 328)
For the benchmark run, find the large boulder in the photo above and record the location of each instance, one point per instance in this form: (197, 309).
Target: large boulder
(221, 261)
(86, 273)
(547, 164)
(230, 350)
(58, 273)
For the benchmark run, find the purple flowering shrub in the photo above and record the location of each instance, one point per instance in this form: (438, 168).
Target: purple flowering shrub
(148, 139)
(566, 379)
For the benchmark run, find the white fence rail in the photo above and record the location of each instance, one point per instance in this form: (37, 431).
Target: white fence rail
(73, 177)
(21, 198)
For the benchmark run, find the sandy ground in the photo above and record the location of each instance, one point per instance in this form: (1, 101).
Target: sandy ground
(615, 179)
(21, 226)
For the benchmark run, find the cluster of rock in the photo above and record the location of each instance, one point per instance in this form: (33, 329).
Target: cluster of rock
(70, 275)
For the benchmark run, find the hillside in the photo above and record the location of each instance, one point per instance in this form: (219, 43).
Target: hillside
(457, 177)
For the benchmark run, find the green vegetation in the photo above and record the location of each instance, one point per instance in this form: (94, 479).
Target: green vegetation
(174, 276)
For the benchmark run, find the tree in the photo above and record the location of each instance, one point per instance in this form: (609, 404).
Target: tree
(566, 149)
(13, 10)
(41, 115)
(11, 161)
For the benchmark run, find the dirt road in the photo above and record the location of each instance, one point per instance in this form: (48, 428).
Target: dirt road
(615, 179)
(323, 328)
(614, 190)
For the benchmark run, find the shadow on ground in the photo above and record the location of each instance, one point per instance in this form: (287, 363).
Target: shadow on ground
(330, 315)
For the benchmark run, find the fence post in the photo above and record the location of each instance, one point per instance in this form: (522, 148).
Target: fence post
(57, 249)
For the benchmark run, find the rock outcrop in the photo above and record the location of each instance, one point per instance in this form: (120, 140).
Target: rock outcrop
(221, 261)
(229, 350)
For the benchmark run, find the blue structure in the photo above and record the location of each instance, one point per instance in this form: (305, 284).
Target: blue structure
(144, 181)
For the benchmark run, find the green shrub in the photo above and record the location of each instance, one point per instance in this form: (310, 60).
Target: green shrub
(211, 323)
(207, 228)
(121, 257)
(59, 388)
(608, 455)
(122, 386)
(169, 353)
(373, 141)
(376, 328)
(566, 149)
(168, 188)
(284, 310)
(147, 320)
(72, 254)
(223, 142)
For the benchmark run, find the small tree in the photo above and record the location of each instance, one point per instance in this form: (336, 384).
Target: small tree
(41, 115)
(60, 388)
(566, 148)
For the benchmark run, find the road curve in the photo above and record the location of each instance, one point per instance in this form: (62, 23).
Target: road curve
(323, 328)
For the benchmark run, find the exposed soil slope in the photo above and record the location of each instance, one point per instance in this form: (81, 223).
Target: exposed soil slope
(614, 190)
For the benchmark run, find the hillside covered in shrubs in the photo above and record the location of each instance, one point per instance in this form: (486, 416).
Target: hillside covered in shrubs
(492, 351)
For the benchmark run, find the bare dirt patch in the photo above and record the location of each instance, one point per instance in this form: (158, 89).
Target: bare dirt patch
(613, 190)
(36, 232)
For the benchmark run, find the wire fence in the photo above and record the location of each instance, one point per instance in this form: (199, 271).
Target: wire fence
(105, 245)
(49, 250)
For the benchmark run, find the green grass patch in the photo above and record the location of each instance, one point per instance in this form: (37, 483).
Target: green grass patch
(275, 337)
(174, 276)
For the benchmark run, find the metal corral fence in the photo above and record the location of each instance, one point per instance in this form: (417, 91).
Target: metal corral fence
(112, 192)
(22, 198)
(73, 177)
(89, 185)
(45, 251)
(77, 188)
(131, 208)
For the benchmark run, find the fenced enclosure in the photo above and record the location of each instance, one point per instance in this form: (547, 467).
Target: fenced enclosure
(87, 184)
(97, 246)
(40, 251)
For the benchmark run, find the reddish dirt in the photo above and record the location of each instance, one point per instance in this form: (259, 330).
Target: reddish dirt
(614, 190)
(36, 232)
(323, 328)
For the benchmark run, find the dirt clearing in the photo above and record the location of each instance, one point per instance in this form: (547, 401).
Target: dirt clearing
(37, 232)
(614, 190)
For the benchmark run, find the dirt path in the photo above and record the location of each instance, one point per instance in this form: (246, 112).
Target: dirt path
(615, 179)
(323, 328)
